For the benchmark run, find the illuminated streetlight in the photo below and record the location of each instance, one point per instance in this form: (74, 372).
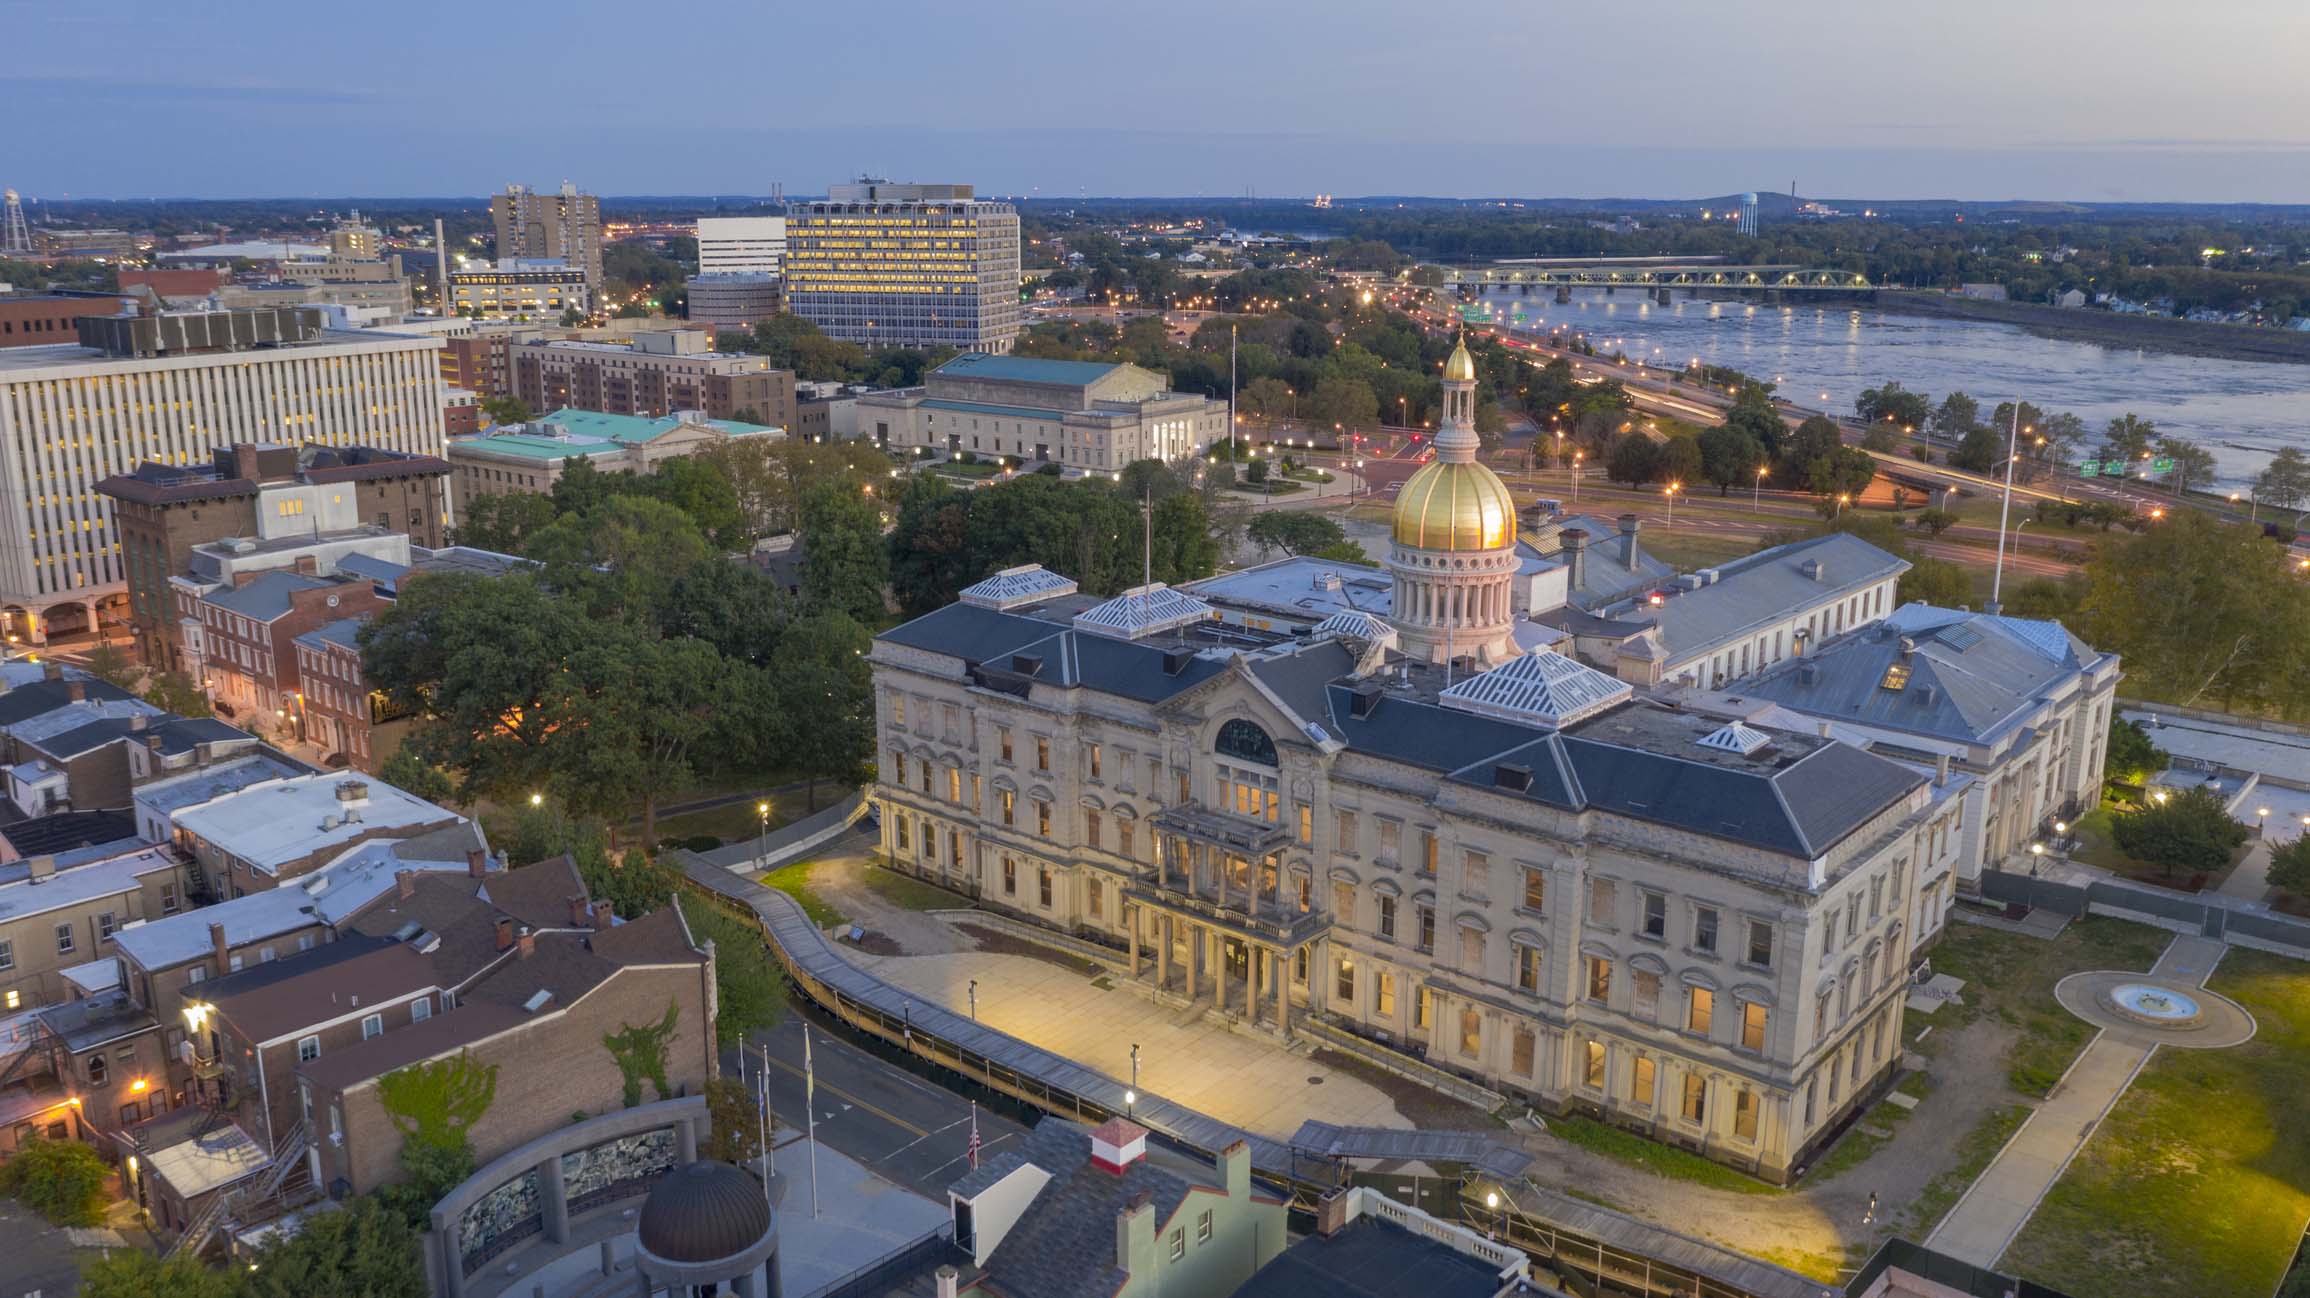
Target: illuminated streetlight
(537, 799)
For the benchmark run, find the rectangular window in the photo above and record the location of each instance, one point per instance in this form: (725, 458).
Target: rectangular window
(1042, 753)
(897, 709)
(1178, 1243)
(1391, 839)
(420, 1010)
(1592, 1066)
(1203, 1227)
(1640, 1082)
(1427, 852)
(1535, 889)
(104, 926)
(1471, 950)
(1760, 944)
(1754, 1018)
(1527, 968)
(1599, 979)
(1600, 902)
(1043, 885)
(1094, 759)
(168, 901)
(1475, 871)
(1423, 1005)
(1093, 898)
(1010, 807)
(1745, 1114)
(1186, 789)
(1471, 1033)
(308, 1049)
(1306, 824)
(1655, 914)
(1695, 1097)
(1523, 1045)
(1384, 993)
(1010, 877)
(1427, 918)
(64, 939)
(373, 1025)
(1003, 741)
(1344, 832)
(954, 784)
(1704, 930)
(1125, 831)
(1700, 1011)
(903, 836)
(1343, 903)
(1388, 918)
(1091, 828)
(1647, 986)
(1345, 983)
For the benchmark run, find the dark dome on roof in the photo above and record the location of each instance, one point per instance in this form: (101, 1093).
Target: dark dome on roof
(704, 1212)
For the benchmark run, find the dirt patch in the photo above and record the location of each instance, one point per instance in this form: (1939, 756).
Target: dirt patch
(1417, 1104)
(879, 944)
(996, 942)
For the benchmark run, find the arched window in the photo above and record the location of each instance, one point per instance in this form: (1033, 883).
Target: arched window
(1246, 742)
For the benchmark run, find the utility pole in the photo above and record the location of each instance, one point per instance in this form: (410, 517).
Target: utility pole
(2005, 510)
(1233, 452)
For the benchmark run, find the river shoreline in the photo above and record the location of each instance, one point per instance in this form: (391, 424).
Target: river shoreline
(2111, 331)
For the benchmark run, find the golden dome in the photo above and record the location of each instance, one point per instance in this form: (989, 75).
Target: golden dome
(1455, 507)
(1461, 368)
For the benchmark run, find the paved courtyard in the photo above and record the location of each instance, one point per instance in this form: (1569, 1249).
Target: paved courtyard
(1250, 1081)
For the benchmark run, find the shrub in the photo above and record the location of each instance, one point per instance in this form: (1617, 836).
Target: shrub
(2190, 830)
(2290, 865)
(62, 1180)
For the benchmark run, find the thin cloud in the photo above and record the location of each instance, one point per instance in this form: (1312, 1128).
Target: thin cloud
(121, 89)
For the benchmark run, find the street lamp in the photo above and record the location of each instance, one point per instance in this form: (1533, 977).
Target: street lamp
(974, 995)
(537, 799)
(1130, 1104)
(2261, 820)
(1577, 457)
(1492, 1206)
(762, 843)
(1670, 491)
(1757, 493)
(1843, 499)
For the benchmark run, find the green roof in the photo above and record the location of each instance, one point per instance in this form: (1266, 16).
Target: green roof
(1026, 369)
(592, 432)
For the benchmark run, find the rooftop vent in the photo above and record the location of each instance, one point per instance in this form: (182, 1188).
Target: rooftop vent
(1808, 674)
(1327, 581)
(1364, 701)
(1810, 569)
(1027, 664)
(1514, 778)
(1175, 660)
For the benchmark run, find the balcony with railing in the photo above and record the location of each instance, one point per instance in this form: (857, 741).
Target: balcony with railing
(1228, 871)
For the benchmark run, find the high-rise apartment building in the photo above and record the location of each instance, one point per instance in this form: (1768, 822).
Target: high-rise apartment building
(741, 243)
(565, 226)
(906, 265)
(662, 372)
(171, 389)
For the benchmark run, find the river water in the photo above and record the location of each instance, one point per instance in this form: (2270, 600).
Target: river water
(2240, 410)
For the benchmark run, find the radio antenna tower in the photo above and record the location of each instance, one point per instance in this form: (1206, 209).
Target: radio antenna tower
(15, 236)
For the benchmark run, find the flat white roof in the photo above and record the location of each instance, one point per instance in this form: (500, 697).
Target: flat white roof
(206, 1162)
(81, 883)
(271, 824)
(324, 897)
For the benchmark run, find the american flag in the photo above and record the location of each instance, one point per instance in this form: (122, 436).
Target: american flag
(971, 1151)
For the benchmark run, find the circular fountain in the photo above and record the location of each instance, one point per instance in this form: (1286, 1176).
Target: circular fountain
(2161, 1007)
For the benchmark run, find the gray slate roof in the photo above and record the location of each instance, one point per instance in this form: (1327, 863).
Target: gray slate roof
(267, 596)
(1372, 1259)
(1768, 587)
(1972, 677)
(981, 636)
(1064, 1245)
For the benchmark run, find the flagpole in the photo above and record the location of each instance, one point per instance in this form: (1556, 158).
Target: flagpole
(769, 1120)
(762, 1124)
(810, 1114)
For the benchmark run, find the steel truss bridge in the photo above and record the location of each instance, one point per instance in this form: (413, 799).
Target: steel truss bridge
(1806, 279)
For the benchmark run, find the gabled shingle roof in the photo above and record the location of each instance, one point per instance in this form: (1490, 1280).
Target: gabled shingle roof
(1064, 1244)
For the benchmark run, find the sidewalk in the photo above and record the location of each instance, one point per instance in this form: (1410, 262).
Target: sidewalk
(2002, 1198)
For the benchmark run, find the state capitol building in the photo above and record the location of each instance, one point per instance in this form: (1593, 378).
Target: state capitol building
(1698, 922)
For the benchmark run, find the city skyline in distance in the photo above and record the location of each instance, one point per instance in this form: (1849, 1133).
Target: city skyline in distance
(1457, 99)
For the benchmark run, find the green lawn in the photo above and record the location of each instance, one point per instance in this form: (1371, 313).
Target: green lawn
(2009, 977)
(2198, 1182)
(1654, 1157)
(911, 893)
(794, 881)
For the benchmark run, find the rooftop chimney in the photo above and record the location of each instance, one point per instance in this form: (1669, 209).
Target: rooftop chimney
(353, 793)
(308, 566)
(581, 911)
(1629, 523)
(1331, 1211)
(218, 946)
(1234, 1165)
(41, 867)
(406, 881)
(136, 724)
(948, 1280)
(51, 671)
(476, 862)
(1135, 1235)
(245, 462)
(504, 933)
(76, 690)
(526, 943)
(1575, 551)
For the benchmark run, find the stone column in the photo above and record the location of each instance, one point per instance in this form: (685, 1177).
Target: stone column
(1131, 921)
(1163, 951)
(446, 1235)
(1318, 974)
(1282, 970)
(553, 1198)
(1218, 942)
(686, 1142)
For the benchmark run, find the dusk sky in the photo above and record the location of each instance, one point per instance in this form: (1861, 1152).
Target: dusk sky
(2110, 101)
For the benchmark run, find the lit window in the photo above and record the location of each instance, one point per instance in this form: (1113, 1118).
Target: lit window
(1896, 677)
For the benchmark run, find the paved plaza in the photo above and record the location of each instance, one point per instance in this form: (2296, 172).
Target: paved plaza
(1245, 1079)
